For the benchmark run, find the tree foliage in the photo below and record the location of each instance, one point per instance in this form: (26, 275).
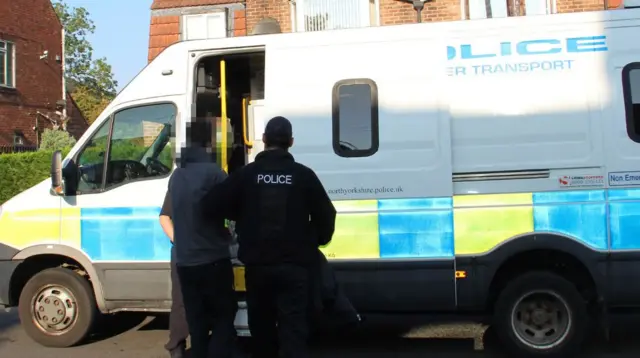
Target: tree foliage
(90, 104)
(53, 139)
(91, 80)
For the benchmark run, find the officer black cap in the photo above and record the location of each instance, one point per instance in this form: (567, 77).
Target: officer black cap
(278, 132)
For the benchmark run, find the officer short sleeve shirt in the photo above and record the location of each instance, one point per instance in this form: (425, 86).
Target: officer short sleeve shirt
(166, 206)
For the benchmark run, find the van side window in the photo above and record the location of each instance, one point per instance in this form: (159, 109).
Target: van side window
(631, 89)
(355, 118)
(138, 146)
(91, 159)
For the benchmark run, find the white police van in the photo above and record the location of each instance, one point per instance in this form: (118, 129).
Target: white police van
(488, 169)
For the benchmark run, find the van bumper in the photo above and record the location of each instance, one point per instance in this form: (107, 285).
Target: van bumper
(7, 268)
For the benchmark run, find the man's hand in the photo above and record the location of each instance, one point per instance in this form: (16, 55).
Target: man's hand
(167, 226)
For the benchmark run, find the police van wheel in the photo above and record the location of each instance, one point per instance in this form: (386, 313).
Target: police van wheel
(541, 314)
(57, 308)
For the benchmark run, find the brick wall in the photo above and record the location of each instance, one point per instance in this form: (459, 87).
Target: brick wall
(150, 131)
(579, 5)
(277, 9)
(240, 23)
(394, 12)
(34, 28)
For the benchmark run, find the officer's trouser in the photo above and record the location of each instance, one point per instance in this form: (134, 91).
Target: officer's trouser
(210, 305)
(279, 295)
(178, 328)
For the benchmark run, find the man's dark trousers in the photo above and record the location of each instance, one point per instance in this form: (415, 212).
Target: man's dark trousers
(178, 328)
(210, 305)
(278, 294)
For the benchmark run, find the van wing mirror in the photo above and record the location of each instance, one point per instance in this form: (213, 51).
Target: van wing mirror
(56, 173)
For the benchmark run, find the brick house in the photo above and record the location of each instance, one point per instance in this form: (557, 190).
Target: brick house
(31, 75)
(175, 20)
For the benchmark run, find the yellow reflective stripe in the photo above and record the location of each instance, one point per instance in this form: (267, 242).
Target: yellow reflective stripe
(356, 237)
(24, 228)
(481, 222)
(357, 234)
(239, 283)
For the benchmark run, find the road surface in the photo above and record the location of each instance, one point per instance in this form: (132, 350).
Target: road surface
(136, 336)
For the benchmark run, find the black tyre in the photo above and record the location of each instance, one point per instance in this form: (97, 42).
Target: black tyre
(57, 308)
(541, 314)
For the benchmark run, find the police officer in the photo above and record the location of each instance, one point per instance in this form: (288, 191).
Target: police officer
(282, 215)
(178, 328)
(202, 250)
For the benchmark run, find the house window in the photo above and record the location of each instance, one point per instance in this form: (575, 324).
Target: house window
(631, 90)
(487, 9)
(355, 118)
(204, 26)
(7, 64)
(318, 15)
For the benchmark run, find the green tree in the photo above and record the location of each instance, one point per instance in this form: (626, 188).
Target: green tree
(87, 77)
(53, 139)
(90, 104)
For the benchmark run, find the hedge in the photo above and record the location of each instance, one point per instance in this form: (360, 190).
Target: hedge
(21, 171)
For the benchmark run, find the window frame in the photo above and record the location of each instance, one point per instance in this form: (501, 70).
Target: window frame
(374, 118)
(298, 20)
(9, 55)
(632, 131)
(110, 121)
(551, 5)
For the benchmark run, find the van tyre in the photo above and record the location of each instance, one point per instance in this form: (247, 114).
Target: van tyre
(57, 308)
(541, 314)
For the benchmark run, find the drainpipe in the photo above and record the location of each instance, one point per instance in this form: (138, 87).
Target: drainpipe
(64, 80)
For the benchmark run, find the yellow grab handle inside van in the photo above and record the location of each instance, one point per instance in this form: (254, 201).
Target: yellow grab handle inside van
(247, 142)
(223, 114)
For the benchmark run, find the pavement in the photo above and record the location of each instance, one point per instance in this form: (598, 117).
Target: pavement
(133, 335)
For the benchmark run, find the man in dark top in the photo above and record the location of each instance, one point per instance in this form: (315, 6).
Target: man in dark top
(202, 252)
(282, 215)
(178, 328)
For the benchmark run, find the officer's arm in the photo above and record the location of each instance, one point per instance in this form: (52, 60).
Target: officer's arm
(323, 213)
(223, 198)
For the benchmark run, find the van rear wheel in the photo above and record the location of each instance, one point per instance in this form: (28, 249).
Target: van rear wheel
(57, 308)
(541, 314)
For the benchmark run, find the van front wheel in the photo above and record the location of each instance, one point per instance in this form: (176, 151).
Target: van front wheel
(57, 308)
(541, 314)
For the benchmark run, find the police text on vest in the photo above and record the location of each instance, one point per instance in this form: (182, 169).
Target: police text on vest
(274, 179)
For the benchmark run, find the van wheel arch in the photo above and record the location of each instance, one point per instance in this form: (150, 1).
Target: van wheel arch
(560, 262)
(32, 264)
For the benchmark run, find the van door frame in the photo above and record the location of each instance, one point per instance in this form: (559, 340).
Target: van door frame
(194, 59)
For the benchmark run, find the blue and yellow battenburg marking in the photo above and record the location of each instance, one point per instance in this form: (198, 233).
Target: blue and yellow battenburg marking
(428, 228)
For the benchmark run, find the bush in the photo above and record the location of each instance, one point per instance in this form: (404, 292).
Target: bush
(21, 171)
(56, 140)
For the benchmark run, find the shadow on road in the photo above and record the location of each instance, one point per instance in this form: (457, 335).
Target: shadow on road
(8, 321)
(371, 341)
(383, 339)
(110, 326)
